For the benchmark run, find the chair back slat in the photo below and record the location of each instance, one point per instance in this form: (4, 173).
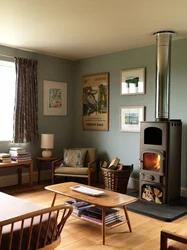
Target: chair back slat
(21, 235)
(39, 231)
(11, 236)
(47, 229)
(30, 233)
(65, 214)
(53, 236)
(0, 235)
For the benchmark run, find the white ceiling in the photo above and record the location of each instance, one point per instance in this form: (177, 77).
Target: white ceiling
(77, 29)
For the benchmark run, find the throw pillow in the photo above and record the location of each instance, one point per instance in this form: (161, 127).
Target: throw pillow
(74, 157)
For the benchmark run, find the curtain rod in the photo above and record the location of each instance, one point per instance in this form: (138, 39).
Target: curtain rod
(7, 56)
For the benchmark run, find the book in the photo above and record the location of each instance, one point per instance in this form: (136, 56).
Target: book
(17, 149)
(99, 222)
(12, 152)
(4, 155)
(96, 212)
(78, 206)
(5, 160)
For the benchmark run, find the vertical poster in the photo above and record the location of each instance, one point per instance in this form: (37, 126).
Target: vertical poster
(95, 102)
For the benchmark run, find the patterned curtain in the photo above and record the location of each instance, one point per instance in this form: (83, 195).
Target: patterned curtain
(26, 101)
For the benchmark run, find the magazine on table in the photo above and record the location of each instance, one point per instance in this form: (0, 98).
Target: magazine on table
(88, 191)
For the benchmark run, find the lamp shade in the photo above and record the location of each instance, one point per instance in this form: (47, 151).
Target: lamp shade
(47, 141)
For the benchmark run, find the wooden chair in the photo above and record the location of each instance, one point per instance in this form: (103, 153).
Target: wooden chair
(179, 240)
(40, 229)
(88, 168)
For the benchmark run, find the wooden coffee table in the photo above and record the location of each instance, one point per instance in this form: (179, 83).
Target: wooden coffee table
(109, 199)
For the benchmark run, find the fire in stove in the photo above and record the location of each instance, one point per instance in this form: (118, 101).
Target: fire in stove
(151, 161)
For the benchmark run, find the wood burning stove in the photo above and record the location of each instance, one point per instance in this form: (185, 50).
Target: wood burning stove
(160, 140)
(160, 161)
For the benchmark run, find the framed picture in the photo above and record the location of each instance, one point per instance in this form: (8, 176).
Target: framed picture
(55, 98)
(133, 81)
(95, 102)
(130, 118)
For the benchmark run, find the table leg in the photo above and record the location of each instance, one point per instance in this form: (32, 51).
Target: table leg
(38, 165)
(54, 198)
(127, 218)
(31, 174)
(19, 171)
(103, 225)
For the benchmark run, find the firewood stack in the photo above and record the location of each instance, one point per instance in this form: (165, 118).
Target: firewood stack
(152, 194)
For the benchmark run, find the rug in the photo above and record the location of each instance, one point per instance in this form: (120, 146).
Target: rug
(162, 212)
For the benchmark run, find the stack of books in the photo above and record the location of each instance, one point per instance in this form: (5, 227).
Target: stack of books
(93, 213)
(5, 158)
(78, 206)
(19, 154)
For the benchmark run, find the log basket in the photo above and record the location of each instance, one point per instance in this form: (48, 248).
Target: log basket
(117, 180)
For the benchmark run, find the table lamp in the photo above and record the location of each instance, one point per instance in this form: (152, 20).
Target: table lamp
(47, 141)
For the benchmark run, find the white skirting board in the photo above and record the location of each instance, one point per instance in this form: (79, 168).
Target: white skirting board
(133, 183)
(10, 180)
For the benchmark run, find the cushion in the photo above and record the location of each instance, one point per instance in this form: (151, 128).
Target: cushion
(72, 171)
(74, 157)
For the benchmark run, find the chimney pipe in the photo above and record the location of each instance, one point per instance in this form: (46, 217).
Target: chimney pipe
(163, 58)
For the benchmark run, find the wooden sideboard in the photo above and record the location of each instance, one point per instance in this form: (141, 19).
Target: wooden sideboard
(19, 166)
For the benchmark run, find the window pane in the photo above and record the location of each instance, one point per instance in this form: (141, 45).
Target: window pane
(7, 94)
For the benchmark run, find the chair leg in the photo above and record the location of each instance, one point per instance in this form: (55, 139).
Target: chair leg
(163, 241)
(89, 180)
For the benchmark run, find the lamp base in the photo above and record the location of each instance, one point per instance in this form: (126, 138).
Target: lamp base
(46, 153)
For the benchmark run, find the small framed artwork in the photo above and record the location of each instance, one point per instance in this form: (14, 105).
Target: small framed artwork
(133, 81)
(130, 118)
(55, 98)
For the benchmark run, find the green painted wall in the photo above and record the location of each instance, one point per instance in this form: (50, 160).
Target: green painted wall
(68, 130)
(54, 69)
(126, 145)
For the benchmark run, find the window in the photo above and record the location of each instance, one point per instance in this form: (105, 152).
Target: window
(7, 95)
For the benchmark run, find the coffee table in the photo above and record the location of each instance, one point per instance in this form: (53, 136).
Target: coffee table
(109, 199)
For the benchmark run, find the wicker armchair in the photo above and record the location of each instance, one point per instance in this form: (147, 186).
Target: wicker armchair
(85, 171)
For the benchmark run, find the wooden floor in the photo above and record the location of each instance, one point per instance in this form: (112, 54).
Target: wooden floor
(81, 235)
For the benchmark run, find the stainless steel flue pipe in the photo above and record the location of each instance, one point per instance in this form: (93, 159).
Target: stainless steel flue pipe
(163, 61)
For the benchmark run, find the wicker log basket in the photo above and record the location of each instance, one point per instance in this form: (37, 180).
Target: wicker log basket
(117, 180)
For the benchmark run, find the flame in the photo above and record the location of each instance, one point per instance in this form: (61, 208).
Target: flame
(151, 161)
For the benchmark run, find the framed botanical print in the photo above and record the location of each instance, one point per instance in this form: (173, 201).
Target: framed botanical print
(55, 98)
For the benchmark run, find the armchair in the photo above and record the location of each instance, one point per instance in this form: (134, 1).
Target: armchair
(179, 240)
(77, 162)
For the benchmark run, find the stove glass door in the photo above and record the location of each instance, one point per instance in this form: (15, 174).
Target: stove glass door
(151, 161)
